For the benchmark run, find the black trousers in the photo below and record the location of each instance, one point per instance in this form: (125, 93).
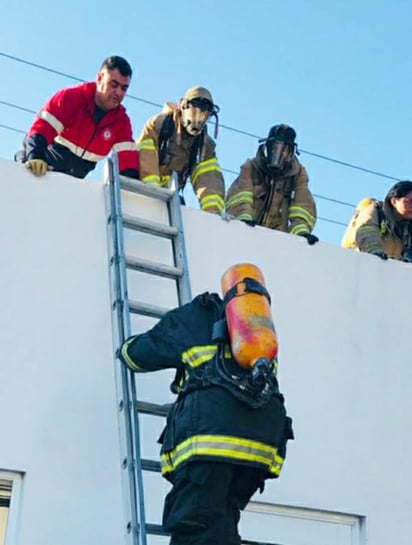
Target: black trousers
(203, 507)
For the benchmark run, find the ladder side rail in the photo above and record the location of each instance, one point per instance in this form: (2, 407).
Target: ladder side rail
(138, 521)
(179, 247)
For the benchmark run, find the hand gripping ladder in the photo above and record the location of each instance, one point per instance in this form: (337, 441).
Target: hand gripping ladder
(137, 529)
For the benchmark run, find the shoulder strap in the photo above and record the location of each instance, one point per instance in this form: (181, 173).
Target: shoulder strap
(288, 189)
(165, 133)
(247, 285)
(194, 157)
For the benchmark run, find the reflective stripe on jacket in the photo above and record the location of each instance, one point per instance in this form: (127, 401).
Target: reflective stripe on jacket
(225, 448)
(68, 120)
(374, 229)
(206, 176)
(255, 196)
(207, 422)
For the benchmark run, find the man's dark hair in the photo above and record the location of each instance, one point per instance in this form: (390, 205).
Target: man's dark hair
(117, 63)
(399, 190)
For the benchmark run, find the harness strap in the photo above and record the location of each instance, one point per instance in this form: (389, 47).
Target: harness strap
(245, 286)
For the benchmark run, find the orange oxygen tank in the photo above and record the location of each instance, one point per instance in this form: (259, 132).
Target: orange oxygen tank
(251, 331)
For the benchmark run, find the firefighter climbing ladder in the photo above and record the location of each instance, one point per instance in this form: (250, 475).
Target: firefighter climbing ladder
(137, 529)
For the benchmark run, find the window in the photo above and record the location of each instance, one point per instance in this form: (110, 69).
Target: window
(272, 524)
(10, 483)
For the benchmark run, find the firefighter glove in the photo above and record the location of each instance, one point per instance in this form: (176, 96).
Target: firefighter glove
(380, 254)
(37, 166)
(311, 239)
(249, 222)
(407, 255)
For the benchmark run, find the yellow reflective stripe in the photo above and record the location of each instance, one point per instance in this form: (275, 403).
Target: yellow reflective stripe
(244, 217)
(299, 229)
(77, 150)
(166, 464)
(367, 229)
(372, 248)
(51, 120)
(222, 446)
(227, 352)
(198, 355)
(211, 165)
(152, 179)
(125, 146)
(298, 212)
(146, 145)
(164, 180)
(125, 355)
(212, 201)
(243, 197)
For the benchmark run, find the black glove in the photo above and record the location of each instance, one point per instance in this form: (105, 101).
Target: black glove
(311, 239)
(252, 223)
(380, 254)
(407, 255)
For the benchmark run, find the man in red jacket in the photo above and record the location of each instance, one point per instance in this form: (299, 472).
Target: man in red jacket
(79, 126)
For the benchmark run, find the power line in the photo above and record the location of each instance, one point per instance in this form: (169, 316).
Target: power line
(227, 127)
(332, 221)
(23, 109)
(319, 217)
(11, 128)
(17, 107)
(69, 76)
(337, 201)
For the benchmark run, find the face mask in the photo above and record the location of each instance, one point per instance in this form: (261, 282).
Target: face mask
(278, 155)
(194, 118)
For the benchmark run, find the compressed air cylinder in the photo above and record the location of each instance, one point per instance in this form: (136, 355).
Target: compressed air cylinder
(251, 331)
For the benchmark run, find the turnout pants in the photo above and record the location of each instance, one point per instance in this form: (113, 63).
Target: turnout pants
(203, 507)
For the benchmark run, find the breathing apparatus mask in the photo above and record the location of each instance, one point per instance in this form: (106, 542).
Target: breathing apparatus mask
(197, 107)
(278, 148)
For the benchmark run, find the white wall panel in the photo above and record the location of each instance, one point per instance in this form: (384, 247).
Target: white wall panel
(57, 402)
(343, 321)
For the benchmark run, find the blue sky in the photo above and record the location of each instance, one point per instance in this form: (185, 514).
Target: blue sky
(338, 72)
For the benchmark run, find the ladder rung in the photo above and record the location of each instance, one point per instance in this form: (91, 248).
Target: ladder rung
(151, 465)
(150, 267)
(149, 190)
(145, 309)
(155, 529)
(151, 227)
(145, 407)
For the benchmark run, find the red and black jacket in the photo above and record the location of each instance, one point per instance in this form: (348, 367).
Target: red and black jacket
(67, 137)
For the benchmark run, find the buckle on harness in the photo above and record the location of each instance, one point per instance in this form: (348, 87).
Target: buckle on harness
(241, 288)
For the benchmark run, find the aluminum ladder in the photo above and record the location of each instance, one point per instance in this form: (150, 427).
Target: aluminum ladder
(129, 407)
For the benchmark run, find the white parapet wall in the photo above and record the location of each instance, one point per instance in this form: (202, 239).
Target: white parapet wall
(57, 403)
(343, 321)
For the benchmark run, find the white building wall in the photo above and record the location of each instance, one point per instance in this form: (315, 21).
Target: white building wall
(57, 406)
(344, 329)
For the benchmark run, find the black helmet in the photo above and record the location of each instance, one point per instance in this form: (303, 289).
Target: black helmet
(279, 147)
(282, 133)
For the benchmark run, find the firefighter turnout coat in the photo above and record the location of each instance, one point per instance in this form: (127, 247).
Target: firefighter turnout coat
(67, 124)
(375, 227)
(179, 155)
(208, 422)
(282, 202)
